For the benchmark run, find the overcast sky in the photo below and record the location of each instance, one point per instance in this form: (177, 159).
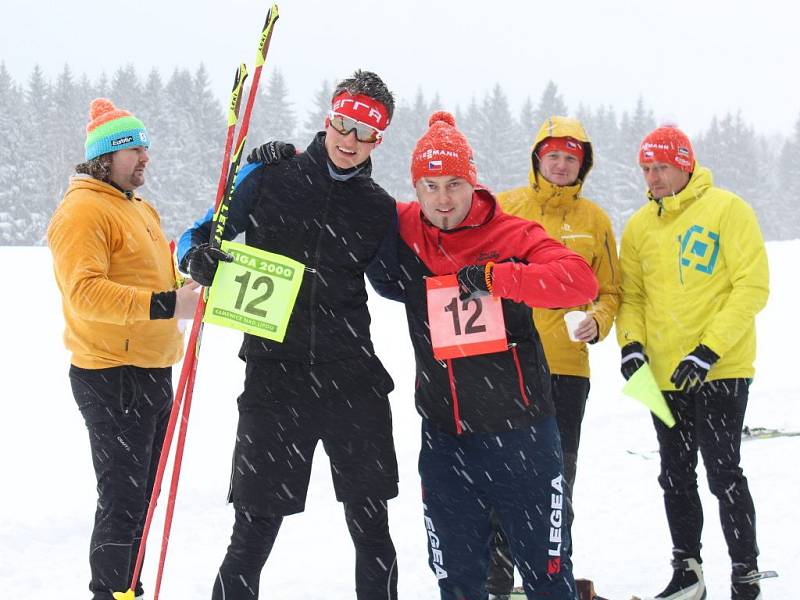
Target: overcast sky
(690, 60)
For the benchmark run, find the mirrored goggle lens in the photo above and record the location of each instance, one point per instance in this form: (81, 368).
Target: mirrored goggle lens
(364, 133)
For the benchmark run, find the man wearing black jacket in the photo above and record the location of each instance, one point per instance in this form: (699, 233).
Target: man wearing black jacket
(324, 381)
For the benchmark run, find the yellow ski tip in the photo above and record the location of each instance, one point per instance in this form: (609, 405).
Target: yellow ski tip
(129, 595)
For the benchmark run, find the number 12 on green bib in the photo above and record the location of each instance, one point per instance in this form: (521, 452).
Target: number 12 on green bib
(255, 293)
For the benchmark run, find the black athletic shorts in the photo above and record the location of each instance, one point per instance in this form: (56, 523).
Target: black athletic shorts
(287, 407)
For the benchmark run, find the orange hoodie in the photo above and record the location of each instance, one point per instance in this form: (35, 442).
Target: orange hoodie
(109, 255)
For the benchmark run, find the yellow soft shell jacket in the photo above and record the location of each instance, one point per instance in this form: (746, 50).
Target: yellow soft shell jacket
(582, 226)
(694, 271)
(109, 255)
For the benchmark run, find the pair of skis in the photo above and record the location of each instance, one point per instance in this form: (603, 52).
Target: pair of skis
(185, 389)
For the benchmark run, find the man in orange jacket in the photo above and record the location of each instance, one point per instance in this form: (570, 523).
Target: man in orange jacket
(114, 268)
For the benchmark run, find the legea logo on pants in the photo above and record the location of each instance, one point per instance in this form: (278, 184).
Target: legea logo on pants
(437, 558)
(556, 520)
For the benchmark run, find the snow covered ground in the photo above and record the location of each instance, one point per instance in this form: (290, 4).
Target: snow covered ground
(621, 539)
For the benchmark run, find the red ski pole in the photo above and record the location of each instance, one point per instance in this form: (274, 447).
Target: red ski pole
(191, 356)
(263, 46)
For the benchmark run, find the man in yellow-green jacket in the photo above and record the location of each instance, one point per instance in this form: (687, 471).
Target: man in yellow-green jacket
(561, 159)
(694, 276)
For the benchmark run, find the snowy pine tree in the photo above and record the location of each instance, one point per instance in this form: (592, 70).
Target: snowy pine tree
(209, 127)
(273, 115)
(494, 152)
(788, 180)
(173, 147)
(730, 149)
(70, 108)
(32, 207)
(551, 103)
(392, 159)
(315, 121)
(11, 116)
(525, 130)
(126, 90)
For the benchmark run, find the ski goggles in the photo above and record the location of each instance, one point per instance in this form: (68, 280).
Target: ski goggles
(344, 125)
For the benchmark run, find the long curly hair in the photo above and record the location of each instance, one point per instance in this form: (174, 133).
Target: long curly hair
(99, 167)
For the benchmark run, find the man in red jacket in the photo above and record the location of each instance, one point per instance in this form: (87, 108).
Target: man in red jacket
(468, 275)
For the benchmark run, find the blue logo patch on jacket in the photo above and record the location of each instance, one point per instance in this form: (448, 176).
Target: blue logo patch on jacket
(701, 248)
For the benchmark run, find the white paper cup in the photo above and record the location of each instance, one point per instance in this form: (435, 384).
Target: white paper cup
(573, 318)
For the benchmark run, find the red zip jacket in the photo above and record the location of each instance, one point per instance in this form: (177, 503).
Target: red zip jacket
(489, 392)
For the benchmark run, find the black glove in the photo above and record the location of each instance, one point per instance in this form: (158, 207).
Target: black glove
(201, 263)
(271, 153)
(692, 371)
(472, 281)
(633, 357)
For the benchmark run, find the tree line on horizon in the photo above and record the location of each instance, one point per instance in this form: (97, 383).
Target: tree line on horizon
(43, 124)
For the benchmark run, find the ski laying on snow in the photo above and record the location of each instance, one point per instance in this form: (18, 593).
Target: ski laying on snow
(763, 433)
(748, 434)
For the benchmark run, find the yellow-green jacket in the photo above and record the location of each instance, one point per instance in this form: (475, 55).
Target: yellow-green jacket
(109, 256)
(582, 226)
(694, 271)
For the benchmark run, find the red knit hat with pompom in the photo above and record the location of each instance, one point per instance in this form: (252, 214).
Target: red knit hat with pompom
(443, 150)
(668, 144)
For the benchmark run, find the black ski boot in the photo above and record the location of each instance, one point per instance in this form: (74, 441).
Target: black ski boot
(687, 581)
(744, 586)
(745, 581)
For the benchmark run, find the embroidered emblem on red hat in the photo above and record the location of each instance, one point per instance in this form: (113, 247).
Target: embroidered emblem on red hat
(443, 150)
(669, 145)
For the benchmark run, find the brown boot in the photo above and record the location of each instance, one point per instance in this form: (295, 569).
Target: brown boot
(586, 590)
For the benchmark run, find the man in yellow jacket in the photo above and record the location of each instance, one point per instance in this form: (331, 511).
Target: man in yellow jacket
(694, 276)
(121, 304)
(561, 159)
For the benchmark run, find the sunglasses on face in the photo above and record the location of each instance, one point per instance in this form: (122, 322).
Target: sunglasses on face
(344, 125)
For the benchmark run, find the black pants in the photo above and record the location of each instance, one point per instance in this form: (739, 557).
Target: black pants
(253, 537)
(126, 410)
(286, 409)
(569, 397)
(518, 476)
(709, 420)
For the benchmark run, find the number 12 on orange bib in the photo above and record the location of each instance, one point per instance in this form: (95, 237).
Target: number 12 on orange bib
(462, 328)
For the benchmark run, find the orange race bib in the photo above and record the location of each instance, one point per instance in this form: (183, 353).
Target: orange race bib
(463, 328)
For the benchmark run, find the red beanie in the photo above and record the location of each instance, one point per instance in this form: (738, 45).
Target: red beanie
(443, 150)
(668, 144)
(561, 144)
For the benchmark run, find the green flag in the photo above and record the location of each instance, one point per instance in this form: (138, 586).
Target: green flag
(642, 386)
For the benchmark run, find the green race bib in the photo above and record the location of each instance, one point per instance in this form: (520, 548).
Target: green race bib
(255, 293)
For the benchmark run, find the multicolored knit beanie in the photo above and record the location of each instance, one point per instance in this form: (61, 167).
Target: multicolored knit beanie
(112, 129)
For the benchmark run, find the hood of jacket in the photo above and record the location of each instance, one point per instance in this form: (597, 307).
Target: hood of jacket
(557, 126)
